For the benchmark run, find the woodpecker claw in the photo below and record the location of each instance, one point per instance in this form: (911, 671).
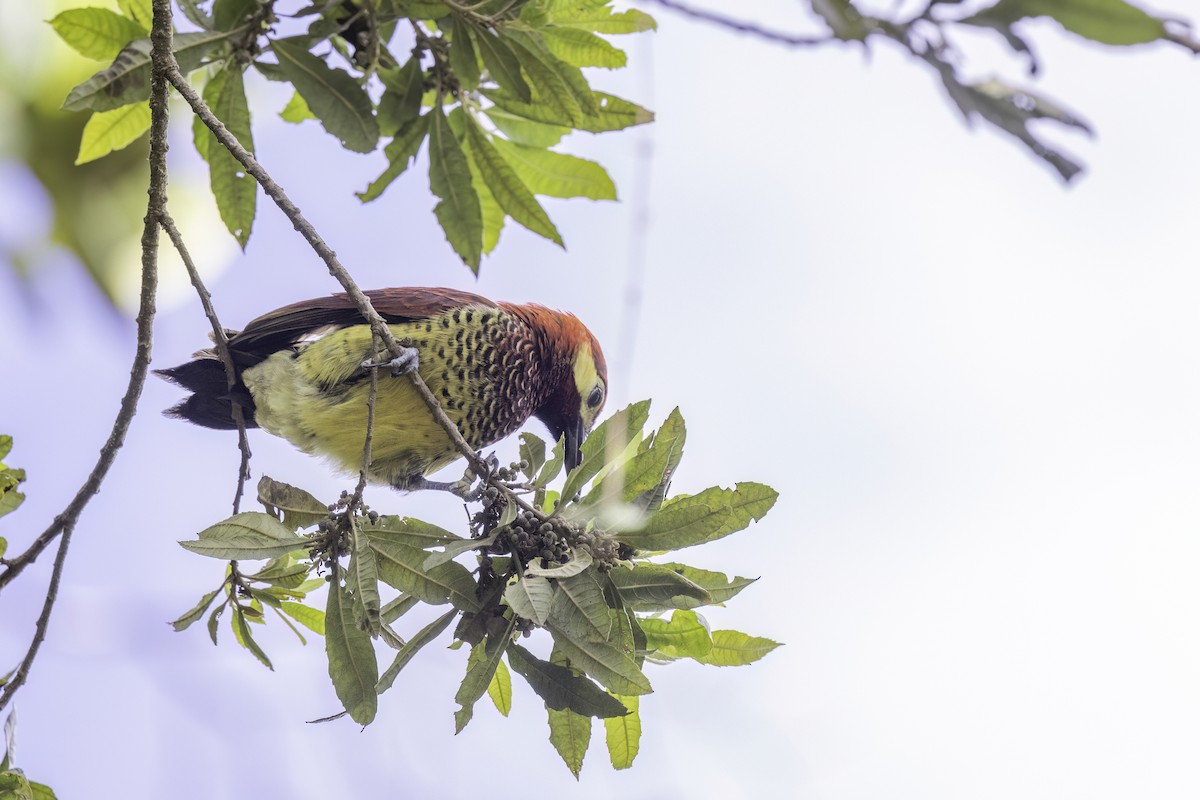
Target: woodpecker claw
(408, 361)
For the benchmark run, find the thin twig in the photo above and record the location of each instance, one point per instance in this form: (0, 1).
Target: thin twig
(222, 346)
(356, 500)
(326, 254)
(720, 20)
(65, 522)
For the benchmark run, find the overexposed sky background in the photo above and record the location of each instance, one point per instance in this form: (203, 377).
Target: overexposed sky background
(975, 390)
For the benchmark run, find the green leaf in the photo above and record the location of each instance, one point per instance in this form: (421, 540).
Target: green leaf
(236, 194)
(502, 65)
(842, 18)
(560, 688)
(581, 559)
(599, 18)
(710, 515)
(581, 48)
(481, 667)
(400, 153)
(309, 617)
(735, 649)
(352, 665)
(614, 669)
(296, 111)
(397, 608)
(213, 619)
(363, 581)
(250, 534)
(524, 131)
(570, 734)
(719, 586)
(614, 114)
(412, 647)
(530, 597)
(455, 549)
(198, 17)
(532, 451)
(97, 33)
(554, 466)
(683, 637)
(492, 214)
(578, 608)
(401, 100)
(3, 546)
(283, 572)
(463, 60)
(653, 587)
(500, 689)
(458, 209)
(10, 479)
(140, 11)
(230, 14)
(408, 531)
(107, 131)
(403, 567)
(241, 632)
(623, 735)
(605, 443)
(6, 443)
(41, 791)
(1111, 22)
(512, 195)
(333, 96)
(554, 174)
(127, 79)
(197, 611)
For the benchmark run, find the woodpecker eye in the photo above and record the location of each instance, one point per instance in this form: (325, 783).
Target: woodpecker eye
(595, 398)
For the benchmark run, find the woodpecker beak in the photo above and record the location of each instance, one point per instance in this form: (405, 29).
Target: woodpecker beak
(574, 437)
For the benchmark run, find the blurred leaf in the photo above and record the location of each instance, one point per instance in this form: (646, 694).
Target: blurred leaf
(107, 131)
(554, 174)
(623, 735)
(581, 559)
(602, 446)
(598, 17)
(842, 18)
(458, 209)
(333, 96)
(97, 33)
(352, 665)
(250, 534)
(140, 11)
(1110, 22)
(412, 647)
(735, 649)
(127, 80)
(197, 611)
(509, 191)
(229, 14)
(561, 688)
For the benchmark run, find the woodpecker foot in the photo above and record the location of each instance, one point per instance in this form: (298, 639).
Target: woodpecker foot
(406, 362)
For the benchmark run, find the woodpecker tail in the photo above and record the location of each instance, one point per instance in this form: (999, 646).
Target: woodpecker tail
(211, 402)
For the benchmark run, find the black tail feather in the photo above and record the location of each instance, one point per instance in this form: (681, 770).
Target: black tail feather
(211, 403)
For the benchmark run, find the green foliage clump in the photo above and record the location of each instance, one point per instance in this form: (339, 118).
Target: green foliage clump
(587, 570)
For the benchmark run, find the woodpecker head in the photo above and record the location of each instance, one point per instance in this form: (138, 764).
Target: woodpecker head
(581, 388)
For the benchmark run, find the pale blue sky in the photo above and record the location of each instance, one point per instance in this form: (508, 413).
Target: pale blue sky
(975, 390)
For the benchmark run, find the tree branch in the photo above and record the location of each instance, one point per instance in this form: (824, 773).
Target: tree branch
(326, 254)
(729, 23)
(221, 340)
(65, 522)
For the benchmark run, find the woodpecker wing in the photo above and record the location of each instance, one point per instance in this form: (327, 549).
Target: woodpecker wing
(283, 327)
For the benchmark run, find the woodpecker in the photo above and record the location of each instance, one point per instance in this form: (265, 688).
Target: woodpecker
(303, 373)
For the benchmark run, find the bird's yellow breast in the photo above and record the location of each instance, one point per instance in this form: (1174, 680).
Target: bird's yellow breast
(316, 394)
